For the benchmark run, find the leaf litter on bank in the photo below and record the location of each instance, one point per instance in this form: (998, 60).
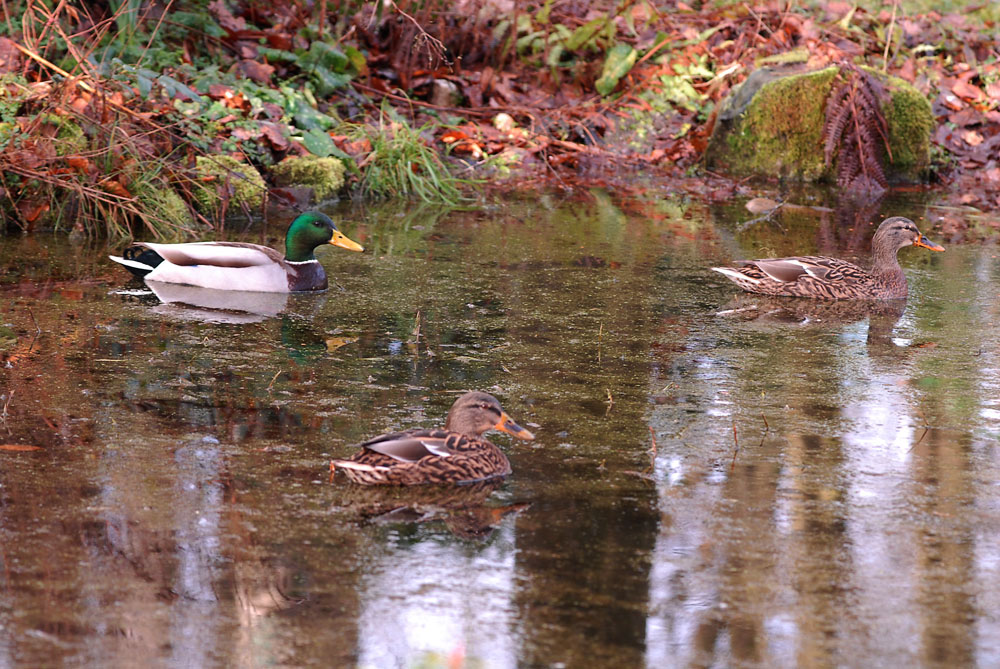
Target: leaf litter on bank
(575, 84)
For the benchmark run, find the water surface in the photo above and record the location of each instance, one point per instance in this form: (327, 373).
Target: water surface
(716, 481)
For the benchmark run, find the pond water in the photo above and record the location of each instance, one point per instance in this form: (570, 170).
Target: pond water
(716, 480)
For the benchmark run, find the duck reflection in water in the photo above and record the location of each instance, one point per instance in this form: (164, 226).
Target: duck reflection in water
(216, 306)
(462, 508)
(769, 311)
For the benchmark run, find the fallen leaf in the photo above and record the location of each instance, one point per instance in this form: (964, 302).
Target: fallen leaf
(453, 136)
(257, 71)
(78, 163)
(115, 187)
(759, 205)
(225, 17)
(337, 342)
(952, 101)
(274, 135)
(972, 138)
(19, 447)
(968, 91)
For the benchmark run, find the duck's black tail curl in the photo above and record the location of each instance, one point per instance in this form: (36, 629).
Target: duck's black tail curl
(139, 260)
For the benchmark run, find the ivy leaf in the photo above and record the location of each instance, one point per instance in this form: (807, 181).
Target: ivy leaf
(328, 56)
(620, 60)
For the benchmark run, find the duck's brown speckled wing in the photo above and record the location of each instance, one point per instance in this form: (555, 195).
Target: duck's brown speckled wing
(424, 456)
(803, 276)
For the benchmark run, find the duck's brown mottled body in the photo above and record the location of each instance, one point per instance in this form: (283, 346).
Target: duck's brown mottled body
(456, 454)
(468, 460)
(824, 278)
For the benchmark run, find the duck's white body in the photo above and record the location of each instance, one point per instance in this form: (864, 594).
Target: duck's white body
(241, 266)
(226, 266)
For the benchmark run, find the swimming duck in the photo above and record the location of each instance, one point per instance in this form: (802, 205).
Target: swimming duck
(833, 279)
(239, 266)
(456, 454)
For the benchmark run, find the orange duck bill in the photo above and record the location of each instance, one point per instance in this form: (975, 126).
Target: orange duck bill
(927, 244)
(507, 424)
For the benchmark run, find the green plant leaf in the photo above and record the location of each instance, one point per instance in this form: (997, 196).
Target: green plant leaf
(555, 53)
(327, 82)
(358, 61)
(328, 56)
(585, 33)
(319, 143)
(529, 40)
(174, 88)
(620, 60)
(543, 15)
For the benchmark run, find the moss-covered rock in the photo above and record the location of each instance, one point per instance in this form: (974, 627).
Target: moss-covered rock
(168, 212)
(911, 122)
(212, 172)
(324, 175)
(772, 125)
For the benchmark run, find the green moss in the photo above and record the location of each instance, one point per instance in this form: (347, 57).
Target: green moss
(211, 172)
(68, 138)
(911, 123)
(168, 212)
(800, 55)
(8, 130)
(324, 175)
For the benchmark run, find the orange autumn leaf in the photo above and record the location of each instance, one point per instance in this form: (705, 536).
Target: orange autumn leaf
(78, 163)
(972, 138)
(19, 447)
(453, 136)
(115, 187)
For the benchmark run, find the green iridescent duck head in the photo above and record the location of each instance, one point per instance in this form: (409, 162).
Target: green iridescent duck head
(311, 230)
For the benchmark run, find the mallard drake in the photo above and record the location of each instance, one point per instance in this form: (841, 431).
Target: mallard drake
(456, 454)
(239, 266)
(833, 279)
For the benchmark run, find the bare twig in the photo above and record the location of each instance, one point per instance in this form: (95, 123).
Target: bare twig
(736, 449)
(767, 216)
(600, 341)
(888, 36)
(415, 334)
(436, 47)
(760, 20)
(652, 449)
(38, 330)
(6, 404)
(273, 379)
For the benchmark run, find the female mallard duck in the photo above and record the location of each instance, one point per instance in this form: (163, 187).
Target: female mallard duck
(239, 266)
(456, 454)
(833, 279)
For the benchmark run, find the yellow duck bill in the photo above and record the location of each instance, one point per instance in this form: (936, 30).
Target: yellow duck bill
(344, 242)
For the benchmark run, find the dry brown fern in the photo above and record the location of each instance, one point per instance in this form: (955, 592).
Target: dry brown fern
(855, 131)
